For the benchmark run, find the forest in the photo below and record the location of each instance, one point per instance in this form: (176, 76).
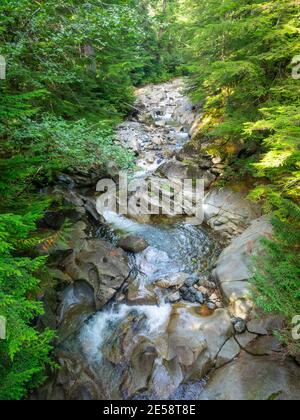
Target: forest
(72, 68)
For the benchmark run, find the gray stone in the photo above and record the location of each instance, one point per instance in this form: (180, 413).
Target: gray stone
(233, 269)
(196, 339)
(192, 280)
(101, 265)
(229, 351)
(77, 305)
(229, 212)
(187, 294)
(166, 377)
(239, 326)
(174, 169)
(199, 297)
(137, 295)
(192, 295)
(254, 378)
(132, 243)
(174, 297)
(212, 306)
(74, 380)
(174, 280)
(264, 345)
(245, 339)
(265, 325)
(216, 328)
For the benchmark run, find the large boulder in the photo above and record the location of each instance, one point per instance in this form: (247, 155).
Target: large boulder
(178, 170)
(132, 243)
(234, 266)
(255, 378)
(77, 304)
(229, 212)
(196, 340)
(104, 267)
(74, 381)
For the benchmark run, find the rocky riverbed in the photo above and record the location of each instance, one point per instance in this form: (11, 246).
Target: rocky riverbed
(155, 307)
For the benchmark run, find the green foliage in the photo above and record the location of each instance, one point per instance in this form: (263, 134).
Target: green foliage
(277, 278)
(281, 163)
(242, 53)
(71, 68)
(24, 353)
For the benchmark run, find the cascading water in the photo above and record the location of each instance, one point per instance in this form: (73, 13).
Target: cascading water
(137, 346)
(95, 333)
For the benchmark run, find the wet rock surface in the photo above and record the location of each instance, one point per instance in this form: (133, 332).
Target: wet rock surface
(141, 315)
(102, 266)
(133, 244)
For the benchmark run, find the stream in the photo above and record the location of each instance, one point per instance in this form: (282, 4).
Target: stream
(151, 323)
(151, 340)
(174, 247)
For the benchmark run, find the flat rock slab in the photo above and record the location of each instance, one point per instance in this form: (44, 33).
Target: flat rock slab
(245, 339)
(254, 378)
(230, 351)
(264, 346)
(265, 325)
(229, 212)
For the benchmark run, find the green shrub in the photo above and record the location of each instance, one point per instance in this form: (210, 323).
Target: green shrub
(24, 354)
(277, 279)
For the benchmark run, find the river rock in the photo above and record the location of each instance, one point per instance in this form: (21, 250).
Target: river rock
(137, 295)
(173, 169)
(254, 378)
(77, 304)
(245, 339)
(233, 269)
(165, 101)
(195, 339)
(212, 306)
(229, 212)
(69, 197)
(190, 294)
(239, 325)
(175, 280)
(229, 351)
(166, 377)
(178, 170)
(142, 365)
(263, 346)
(101, 265)
(265, 324)
(132, 243)
(174, 297)
(74, 381)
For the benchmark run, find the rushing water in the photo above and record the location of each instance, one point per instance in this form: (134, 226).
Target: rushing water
(125, 344)
(173, 248)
